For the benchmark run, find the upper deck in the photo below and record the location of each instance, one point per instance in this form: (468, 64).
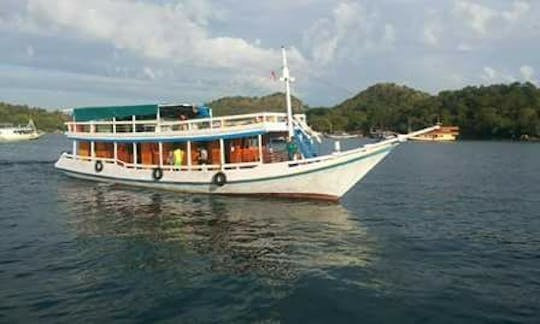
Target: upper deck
(163, 130)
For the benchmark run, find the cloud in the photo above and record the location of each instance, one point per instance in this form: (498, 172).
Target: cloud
(181, 49)
(30, 51)
(149, 73)
(519, 9)
(167, 45)
(489, 73)
(174, 33)
(480, 18)
(528, 73)
(525, 73)
(476, 16)
(430, 34)
(389, 35)
(350, 30)
(200, 11)
(464, 47)
(433, 27)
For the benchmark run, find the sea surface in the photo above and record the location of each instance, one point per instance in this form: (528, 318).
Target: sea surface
(437, 233)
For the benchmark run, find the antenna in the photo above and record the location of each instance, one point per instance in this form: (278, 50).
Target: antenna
(285, 77)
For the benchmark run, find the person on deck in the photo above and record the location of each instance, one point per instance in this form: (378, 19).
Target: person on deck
(178, 156)
(203, 155)
(170, 158)
(183, 118)
(291, 148)
(201, 111)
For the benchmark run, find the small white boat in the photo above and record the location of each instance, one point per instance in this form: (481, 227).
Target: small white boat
(10, 133)
(197, 153)
(340, 136)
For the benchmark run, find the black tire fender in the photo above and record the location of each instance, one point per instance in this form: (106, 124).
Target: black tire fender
(157, 173)
(219, 179)
(98, 166)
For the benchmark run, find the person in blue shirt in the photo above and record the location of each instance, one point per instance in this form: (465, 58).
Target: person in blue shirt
(202, 111)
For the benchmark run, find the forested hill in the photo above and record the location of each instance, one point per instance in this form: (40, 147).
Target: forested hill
(246, 105)
(485, 112)
(382, 106)
(20, 114)
(503, 111)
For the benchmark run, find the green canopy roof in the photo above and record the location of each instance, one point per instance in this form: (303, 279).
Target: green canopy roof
(101, 113)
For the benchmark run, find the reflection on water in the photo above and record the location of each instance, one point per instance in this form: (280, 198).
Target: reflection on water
(269, 238)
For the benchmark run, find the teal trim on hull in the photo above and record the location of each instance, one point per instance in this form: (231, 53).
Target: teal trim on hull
(317, 170)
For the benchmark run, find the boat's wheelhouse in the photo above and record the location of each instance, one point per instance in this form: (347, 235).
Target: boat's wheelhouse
(146, 136)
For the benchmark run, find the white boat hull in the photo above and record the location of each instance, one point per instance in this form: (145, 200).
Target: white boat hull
(12, 137)
(341, 137)
(328, 177)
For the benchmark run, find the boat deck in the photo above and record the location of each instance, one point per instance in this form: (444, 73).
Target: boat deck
(162, 129)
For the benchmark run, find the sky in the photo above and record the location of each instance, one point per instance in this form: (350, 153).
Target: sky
(71, 53)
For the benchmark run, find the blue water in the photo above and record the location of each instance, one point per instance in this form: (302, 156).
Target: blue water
(437, 233)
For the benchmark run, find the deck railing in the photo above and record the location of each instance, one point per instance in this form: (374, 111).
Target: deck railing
(365, 149)
(166, 167)
(234, 122)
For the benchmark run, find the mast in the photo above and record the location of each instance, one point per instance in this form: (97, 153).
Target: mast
(287, 79)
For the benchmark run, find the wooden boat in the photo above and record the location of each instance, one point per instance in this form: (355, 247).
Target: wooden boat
(443, 134)
(143, 146)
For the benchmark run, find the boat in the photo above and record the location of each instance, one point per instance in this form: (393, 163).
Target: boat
(175, 147)
(380, 134)
(340, 136)
(10, 133)
(442, 134)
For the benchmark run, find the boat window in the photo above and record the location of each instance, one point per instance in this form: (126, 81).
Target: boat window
(83, 148)
(104, 149)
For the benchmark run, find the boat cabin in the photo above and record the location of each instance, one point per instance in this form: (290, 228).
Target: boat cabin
(183, 137)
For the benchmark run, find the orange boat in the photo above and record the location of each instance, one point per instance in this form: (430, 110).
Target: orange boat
(443, 134)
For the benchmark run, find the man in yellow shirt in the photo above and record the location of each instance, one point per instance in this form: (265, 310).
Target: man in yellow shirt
(178, 156)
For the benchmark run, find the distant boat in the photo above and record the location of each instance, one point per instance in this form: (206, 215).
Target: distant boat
(339, 136)
(10, 133)
(443, 134)
(380, 134)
